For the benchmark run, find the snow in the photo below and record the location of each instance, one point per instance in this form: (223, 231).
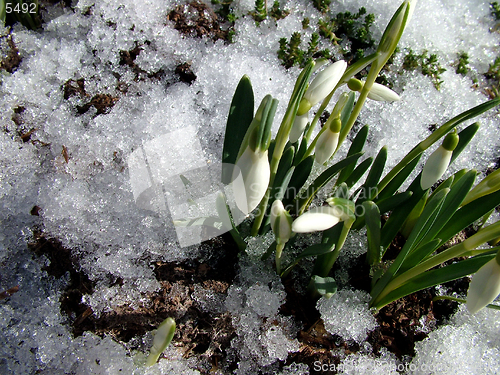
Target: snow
(91, 202)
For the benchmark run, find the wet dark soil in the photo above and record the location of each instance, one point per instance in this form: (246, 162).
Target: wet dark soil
(206, 334)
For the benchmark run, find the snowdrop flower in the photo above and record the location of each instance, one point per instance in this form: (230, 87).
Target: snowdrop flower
(163, 336)
(316, 219)
(439, 160)
(485, 286)
(298, 127)
(251, 179)
(321, 86)
(378, 92)
(327, 141)
(281, 222)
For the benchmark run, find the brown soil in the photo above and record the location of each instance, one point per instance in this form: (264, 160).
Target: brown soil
(207, 335)
(11, 60)
(197, 19)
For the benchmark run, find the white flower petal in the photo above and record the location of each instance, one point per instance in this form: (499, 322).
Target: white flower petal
(316, 219)
(381, 93)
(250, 179)
(435, 167)
(325, 82)
(298, 127)
(325, 146)
(484, 287)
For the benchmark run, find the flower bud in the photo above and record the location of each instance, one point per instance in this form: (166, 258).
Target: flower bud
(439, 160)
(327, 141)
(322, 85)
(378, 92)
(281, 222)
(298, 127)
(394, 30)
(250, 186)
(484, 287)
(316, 219)
(163, 337)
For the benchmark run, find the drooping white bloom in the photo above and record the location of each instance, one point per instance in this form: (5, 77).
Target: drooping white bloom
(378, 92)
(250, 179)
(435, 167)
(322, 85)
(316, 219)
(484, 287)
(439, 160)
(298, 127)
(381, 93)
(327, 142)
(281, 222)
(163, 337)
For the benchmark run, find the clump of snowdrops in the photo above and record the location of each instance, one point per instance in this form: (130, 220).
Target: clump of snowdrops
(270, 185)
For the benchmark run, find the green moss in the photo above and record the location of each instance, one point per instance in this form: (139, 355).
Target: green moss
(495, 10)
(322, 5)
(463, 62)
(426, 63)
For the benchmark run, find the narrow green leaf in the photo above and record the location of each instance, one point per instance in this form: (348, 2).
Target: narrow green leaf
(419, 254)
(239, 119)
(421, 227)
(305, 199)
(358, 172)
(468, 214)
(299, 178)
(347, 110)
(398, 180)
(372, 218)
(357, 146)
(436, 277)
(269, 251)
(374, 175)
(301, 152)
(465, 136)
(453, 200)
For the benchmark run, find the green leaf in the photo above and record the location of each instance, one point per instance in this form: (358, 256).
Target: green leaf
(239, 119)
(357, 146)
(468, 214)
(451, 204)
(358, 172)
(398, 180)
(417, 255)
(347, 110)
(400, 213)
(465, 136)
(326, 286)
(305, 199)
(374, 175)
(421, 228)
(436, 277)
(299, 178)
(372, 218)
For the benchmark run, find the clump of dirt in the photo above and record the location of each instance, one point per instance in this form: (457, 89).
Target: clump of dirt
(11, 58)
(202, 332)
(101, 102)
(197, 19)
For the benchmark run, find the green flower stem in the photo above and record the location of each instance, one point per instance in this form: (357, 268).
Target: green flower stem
(318, 114)
(461, 300)
(279, 251)
(372, 75)
(281, 140)
(325, 262)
